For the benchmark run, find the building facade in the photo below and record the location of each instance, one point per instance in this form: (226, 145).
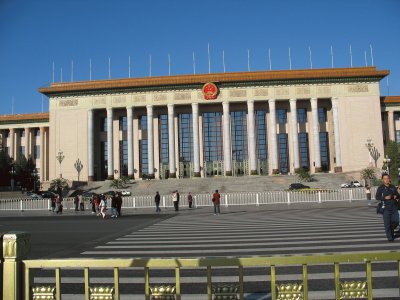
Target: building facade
(229, 124)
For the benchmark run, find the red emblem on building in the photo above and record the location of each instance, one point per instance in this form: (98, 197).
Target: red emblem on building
(210, 91)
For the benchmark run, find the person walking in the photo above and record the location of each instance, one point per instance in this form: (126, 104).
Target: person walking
(388, 194)
(103, 206)
(190, 199)
(119, 204)
(76, 203)
(368, 194)
(175, 199)
(81, 203)
(114, 205)
(157, 200)
(216, 200)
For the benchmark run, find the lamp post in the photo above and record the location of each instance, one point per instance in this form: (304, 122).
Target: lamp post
(12, 172)
(369, 144)
(386, 162)
(60, 157)
(78, 166)
(35, 178)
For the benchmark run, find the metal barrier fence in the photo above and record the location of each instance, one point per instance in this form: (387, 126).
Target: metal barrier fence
(227, 199)
(16, 266)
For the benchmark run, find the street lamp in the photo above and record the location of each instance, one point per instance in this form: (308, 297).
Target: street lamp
(386, 162)
(78, 167)
(35, 178)
(60, 157)
(12, 172)
(369, 144)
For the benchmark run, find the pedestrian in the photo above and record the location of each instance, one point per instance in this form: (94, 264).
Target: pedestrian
(59, 206)
(190, 200)
(76, 202)
(368, 193)
(81, 203)
(175, 199)
(114, 205)
(97, 201)
(119, 204)
(216, 200)
(53, 203)
(93, 202)
(388, 194)
(157, 199)
(103, 207)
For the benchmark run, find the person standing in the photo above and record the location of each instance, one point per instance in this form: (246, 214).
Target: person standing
(81, 203)
(390, 196)
(114, 205)
(190, 200)
(103, 206)
(119, 204)
(175, 199)
(216, 200)
(157, 199)
(76, 202)
(368, 194)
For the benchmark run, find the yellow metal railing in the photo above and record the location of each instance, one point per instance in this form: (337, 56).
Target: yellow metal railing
(15, 266)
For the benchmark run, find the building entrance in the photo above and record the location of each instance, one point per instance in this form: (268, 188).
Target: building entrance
(214, 168)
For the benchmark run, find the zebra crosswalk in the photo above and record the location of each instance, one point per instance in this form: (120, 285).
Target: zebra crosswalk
(263, 232)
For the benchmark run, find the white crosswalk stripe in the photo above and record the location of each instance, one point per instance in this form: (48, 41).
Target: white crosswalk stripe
(258, 233)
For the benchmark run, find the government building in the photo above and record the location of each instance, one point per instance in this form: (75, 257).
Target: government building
(223, 124)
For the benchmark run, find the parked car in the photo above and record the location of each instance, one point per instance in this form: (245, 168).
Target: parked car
(351, 184)
(48, 195)
(298, 186)
(125, 193)
(345, 185)
(35, 196)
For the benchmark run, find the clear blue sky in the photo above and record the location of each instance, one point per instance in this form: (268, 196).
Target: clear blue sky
(36, 33)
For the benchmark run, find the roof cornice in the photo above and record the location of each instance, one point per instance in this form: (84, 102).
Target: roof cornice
(221, 78)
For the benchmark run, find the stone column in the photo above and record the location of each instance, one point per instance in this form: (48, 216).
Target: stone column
(12, 143)
(252, 138)
(273, 138)
(227, 140)
(196, 147)
(110, 139)
(16, 246)
(150, 140)
(171, 141)
(41, 154)
(338, 152)
(391, 125)
(90, 153)
(26, 145)
(317, 150)
(295, 134)
(129, 118)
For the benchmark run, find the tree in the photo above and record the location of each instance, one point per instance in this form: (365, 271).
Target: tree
(368, 174)
(5, 168)
(58, 185)
(24, 172)
(393, 152)
(304, 175)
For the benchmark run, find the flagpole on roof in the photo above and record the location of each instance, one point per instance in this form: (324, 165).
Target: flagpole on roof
(169, 65)
(248, 60)
(372, 55)
(269, 57)
(150, 65)
(290, 60)
(72, 70)
(223, 60)
(351, 57)
(90, 69)
(309, 50)
(109, 68)
(332, 56)
(209, 59)
(42, 102)
(194, 64)
(365, 58)
(61, 74)
(387, 84)
(129, 66)
(53, 72)
(12, 105)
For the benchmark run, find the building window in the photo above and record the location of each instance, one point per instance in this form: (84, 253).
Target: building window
(282, 116)
(103, 124)
(104, 159)
(164, 145)
(302, 115)
(36, 152)
(143, 123)
(212, 136)
(261, 134)
(322, 114)
(324, 148)
(7, 134)
(123, 158)
(283, 153)
(185, 137)
(36, 132)
(123, 125)
(239, 135)
(396, 116)
(397, 136)
(304, 151)
(22, 133)
(22, 150)
(143, 158)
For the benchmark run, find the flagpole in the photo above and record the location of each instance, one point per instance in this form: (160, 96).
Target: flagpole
(42, 102)
(365, 58)
(223, 60)
(387, 84)
(351, 57)
(209, 60)
(194, 64)
(309, 50)
(169, 65)
(150, 65)
(129, 66)
(290, 60)
(12, 105)
(248, 60)
(53, 71)
(72, 70)
(61, 74)
(269, 57)
(372, 55)
(332, 56)
(109, 68)
(90, 69)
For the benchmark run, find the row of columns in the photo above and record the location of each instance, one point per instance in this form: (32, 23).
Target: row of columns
(226, 138)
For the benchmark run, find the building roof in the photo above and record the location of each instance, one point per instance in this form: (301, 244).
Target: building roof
(390, 99)
(32, 117)
(221, 78)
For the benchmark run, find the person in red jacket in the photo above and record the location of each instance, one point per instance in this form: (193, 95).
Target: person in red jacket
(216, 200)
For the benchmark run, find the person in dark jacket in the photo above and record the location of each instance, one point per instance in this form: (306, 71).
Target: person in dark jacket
(216, 200)
(157, 201)
(388, 194)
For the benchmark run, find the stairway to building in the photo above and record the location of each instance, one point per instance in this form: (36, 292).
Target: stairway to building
(224, 184)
